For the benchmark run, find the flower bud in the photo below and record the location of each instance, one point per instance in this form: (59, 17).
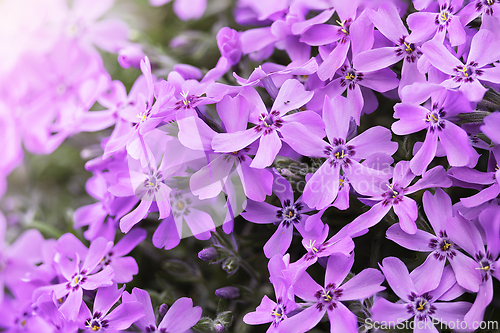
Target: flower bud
(208, 254)
(228, 41)
(227, 292)
(130, 56)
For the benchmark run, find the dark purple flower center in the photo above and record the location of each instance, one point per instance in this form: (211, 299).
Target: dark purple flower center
(443, 247)
(467, 73)
(328, 297)
(344, 30)
(443, 19)
(239, 154)
(486, 265)
(350, 77)
(290, 213)
(152, 182)
(434, 118)
(339, 153)
(393, 195)
(420, 306)
(106, 260)
(408, 50)
(187, 101)
(76, 280)
(96, 323)
(486, 5)
(269, 122)
(279, 312)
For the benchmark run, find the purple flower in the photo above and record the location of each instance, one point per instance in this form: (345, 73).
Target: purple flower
(418, 298)
(228, 41)
(76, 277)
(438, 210)
(351, 29)
(124, 267)
(315, 242)
(120, 318)
(274, 312)
(427, 25)
(186, 208)
(388, 22)
(445, 105)
(290, 214)
(329, 299)
(211, 179)
(292, 95)
(179, 318)
(479, 271)
(484, 49)
(394, 195)
(340, 153)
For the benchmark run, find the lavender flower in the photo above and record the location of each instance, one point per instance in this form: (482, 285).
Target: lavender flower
(329, 299)
(418, 299)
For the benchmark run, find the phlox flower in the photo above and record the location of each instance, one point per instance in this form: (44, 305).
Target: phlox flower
(394, 196)
(435, 117)
(101, 319)
(179, 318)
(328, 299)
(419, 299)
(292, 95)
(467, 76)
(340, 153)
(268, 310)
(290, 214)
(79, 276)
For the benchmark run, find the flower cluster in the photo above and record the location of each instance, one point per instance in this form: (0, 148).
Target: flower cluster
(192, 150)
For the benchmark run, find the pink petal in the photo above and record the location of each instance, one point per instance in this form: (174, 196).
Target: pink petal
(407, 212)
(398, 277)
(269, 146)
(388, 22)
(323, 186)
(425, 155)
(336, 117)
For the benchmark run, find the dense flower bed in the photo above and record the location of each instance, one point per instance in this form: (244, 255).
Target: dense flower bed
(346, 131)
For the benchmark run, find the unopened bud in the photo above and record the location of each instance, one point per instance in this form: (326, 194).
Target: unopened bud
(162, 311)
(227, 292)
(208, 254)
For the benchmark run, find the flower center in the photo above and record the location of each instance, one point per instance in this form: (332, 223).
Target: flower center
(290, 213)
(180, 205)
(393, 195)
(444, 16)
(106, 260)
(466, 73)
(486, 265)
(269, 122)
(407, 50)
(96, 322)
(421, 306)
(410, 47)
(434, 118)
(76, 280)
(279, 312)
(339, 152)
(328, 297)
(443, 247)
